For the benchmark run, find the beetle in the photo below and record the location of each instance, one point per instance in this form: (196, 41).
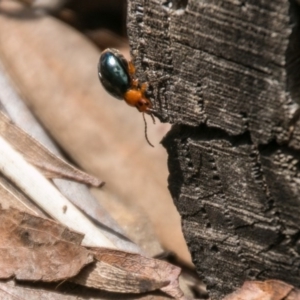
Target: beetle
(117, 76)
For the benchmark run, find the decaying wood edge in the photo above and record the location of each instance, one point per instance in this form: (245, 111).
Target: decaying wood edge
(227, 74)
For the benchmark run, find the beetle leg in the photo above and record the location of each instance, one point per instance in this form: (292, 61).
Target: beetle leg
(131, 68)
(144, 87)
(134, 83)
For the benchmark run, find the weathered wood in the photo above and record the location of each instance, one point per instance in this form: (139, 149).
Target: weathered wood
(227, 73)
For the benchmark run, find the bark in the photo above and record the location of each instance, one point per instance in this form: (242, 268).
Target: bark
(226, 73)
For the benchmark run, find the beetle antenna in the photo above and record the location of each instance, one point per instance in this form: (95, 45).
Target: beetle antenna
(146, 136)
(152, 118)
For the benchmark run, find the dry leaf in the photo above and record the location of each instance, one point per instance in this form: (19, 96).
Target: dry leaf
(265, 290)
(127, 272)
(77, 193)
(11, 197)
(11, 291)
(30, 181)
(32, 248)
(48, 163)
(133, 220)
(16, 291)
(49, 5)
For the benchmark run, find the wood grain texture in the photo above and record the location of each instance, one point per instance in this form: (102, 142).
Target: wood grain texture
(239, 205)
(227, 74)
